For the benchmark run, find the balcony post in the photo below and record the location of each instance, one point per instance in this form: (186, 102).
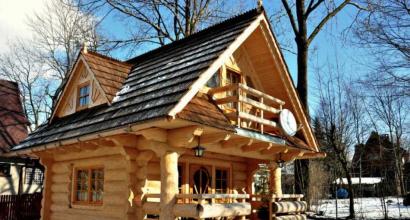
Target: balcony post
(169, 184)
(276, 179)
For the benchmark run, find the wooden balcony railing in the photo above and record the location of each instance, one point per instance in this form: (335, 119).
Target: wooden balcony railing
(202, 205)
(247, 107)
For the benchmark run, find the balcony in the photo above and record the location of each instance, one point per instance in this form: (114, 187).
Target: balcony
(249, 108)
(200, 206)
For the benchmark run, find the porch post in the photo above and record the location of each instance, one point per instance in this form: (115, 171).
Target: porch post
(169, 184)
(276, 179)
(46, 200)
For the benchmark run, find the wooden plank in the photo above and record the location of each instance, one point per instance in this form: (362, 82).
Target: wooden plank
(226, 100)
(260, 94)
(223, 89)
(256, 119)
(258, 105)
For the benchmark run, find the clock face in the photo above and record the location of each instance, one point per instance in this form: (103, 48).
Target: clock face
(288, 122)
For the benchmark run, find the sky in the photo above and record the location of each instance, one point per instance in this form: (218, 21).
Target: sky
(13, 18)
(327, 47)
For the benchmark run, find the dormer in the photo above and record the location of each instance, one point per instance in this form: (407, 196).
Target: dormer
(94, 80)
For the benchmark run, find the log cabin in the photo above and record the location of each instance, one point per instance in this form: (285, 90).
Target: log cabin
(177, 132)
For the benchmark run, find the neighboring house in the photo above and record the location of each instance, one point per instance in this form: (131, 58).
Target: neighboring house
(17, 175)
(363, 187)
(176, 132)
(376, 159)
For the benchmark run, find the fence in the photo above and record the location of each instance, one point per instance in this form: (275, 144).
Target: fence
(20, 207)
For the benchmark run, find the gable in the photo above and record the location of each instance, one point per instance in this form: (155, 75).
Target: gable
(258, 56)
(104, 76)
(82, 76)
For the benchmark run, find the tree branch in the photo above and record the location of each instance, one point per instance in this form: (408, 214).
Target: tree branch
(290, 16)
(326, 19)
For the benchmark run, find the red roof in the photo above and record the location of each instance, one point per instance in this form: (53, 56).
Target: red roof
(13, 123)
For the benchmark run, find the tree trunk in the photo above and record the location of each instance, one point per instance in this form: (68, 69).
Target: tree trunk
(302, 86)
(301, 176)
(351, 195)
(302, 166)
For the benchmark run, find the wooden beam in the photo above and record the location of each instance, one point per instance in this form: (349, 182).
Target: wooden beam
(292, 155)
(274, 150)
(102, 142)
(159, 148)
(156, 134)
(257, 146)
(124, 140)
(239, 142)
(214, 138)
(184, 137)
(314, 155)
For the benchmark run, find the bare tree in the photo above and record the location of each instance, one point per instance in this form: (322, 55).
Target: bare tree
(60, 30)
(158, 21)
(20, 64)
(336, 119)
(302, 14)
(384, 29)
(391, 111)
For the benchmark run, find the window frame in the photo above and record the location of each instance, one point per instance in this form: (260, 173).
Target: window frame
(79, 96)
(89, 188)
(228, 179)
(36, 176)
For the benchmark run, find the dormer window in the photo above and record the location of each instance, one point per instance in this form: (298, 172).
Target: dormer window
(84, 96)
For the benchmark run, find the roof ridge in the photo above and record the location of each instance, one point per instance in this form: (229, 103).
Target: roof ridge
(255, 11)
(95, 53)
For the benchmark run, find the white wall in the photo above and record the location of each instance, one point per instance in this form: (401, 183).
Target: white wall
(9, 185)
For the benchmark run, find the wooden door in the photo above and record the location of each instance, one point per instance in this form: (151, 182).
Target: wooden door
(200, 179)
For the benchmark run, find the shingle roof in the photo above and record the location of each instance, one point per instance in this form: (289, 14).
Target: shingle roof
(157, 81)
(13, 123)
(110, 73)
(203, 110)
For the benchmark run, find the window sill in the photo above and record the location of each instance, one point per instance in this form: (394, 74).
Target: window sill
(87, 206)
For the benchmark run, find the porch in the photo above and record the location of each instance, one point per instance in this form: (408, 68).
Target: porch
(188, 190)
(243, 206)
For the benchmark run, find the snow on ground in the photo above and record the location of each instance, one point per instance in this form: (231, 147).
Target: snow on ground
(365, 208)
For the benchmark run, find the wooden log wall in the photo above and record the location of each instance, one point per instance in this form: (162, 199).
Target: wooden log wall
(128, 175)
(120, 185)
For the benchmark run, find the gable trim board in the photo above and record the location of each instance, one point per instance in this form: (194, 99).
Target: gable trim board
(205, 76)
(300, 111)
